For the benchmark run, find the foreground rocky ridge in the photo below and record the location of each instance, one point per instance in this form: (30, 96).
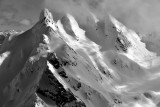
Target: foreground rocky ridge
(57, 63)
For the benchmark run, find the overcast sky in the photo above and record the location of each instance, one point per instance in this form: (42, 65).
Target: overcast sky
(19, 14)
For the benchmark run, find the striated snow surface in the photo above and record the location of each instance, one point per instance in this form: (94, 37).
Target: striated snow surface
(55, 64)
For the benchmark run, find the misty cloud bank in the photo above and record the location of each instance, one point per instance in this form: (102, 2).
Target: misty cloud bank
(140, 15)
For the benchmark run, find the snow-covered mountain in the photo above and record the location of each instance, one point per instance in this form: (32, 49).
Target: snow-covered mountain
(54, 64)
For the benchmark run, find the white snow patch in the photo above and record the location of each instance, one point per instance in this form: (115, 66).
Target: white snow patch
(149, 103)
(94, 17)
(39, 102)
(3, 56)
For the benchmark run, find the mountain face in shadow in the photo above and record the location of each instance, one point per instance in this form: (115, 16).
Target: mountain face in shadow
(54, 64)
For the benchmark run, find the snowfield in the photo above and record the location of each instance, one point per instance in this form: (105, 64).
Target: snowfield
(57, 64)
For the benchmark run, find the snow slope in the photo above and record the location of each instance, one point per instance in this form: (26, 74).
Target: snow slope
(56, 64)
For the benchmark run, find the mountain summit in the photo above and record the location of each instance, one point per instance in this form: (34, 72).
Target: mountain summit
(54, 64)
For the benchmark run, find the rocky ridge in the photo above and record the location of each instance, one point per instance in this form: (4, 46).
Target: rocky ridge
(46, 63)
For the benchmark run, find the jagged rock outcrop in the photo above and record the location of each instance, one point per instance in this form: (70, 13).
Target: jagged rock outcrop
(19, 80)
(122, 43)
(56, 63)
(2, 37)
(53, 92)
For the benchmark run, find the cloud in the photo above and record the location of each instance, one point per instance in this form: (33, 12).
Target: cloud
(25, 22)
(32, 4)
(8, 15)
(140, 15)
(14, 11)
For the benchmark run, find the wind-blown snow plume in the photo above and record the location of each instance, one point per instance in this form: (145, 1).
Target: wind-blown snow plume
(50, 53)
(83, 43)
(80, 41)
(139, 15)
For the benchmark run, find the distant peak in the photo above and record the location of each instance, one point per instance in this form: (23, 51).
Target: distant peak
(45, 13)
(45, 21)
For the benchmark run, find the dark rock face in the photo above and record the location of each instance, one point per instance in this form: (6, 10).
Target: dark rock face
(147, 95)
(51, 89)
(2, 37)
(53, 60)
(57, 64)
(122, 43)
(25, 72)
(30, 73)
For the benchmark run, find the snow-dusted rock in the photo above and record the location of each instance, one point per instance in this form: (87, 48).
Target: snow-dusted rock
(56, 64)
